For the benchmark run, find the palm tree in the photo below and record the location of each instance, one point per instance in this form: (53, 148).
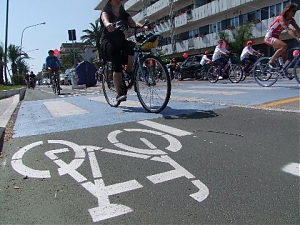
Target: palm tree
(14, 52)
(92, 37)
(240, 37)
(1, 64)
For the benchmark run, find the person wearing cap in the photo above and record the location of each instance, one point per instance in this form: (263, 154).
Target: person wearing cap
(249, 56)
(218, 58)
(204, 61)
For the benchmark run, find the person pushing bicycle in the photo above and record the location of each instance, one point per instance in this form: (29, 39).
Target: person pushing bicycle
(53, 65)
(114, 46)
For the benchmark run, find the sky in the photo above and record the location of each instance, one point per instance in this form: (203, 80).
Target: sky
(59, 15)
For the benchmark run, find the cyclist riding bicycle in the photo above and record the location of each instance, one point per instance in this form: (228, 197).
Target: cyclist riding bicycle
(114, 46)
(280, 24)
(217, 57)
(52, 65)
(249, 55)
(204, 61)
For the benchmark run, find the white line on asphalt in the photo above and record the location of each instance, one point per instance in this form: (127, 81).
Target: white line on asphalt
(292, 168)
(165, 128)
(63, 108)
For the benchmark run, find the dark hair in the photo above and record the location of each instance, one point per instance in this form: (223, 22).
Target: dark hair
(50, 51)
(108, 8)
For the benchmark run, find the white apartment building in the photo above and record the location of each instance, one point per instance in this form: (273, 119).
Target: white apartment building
(193, 26)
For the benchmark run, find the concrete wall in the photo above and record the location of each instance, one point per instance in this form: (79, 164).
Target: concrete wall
(9, 93)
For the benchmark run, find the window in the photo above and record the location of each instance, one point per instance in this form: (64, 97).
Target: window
(278, 9)
(272, 11)
(265, 13)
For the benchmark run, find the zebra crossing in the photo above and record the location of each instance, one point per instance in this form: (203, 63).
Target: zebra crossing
(91, 109)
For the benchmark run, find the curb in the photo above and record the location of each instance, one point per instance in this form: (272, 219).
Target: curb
(9, 93)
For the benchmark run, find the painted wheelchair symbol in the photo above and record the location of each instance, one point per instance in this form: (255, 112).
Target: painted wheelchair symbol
(106, 209)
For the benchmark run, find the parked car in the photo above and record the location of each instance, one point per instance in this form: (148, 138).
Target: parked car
(46, 81)
(189, 66)
(65, 79)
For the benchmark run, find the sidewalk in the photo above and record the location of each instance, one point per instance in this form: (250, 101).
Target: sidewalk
(7, 108)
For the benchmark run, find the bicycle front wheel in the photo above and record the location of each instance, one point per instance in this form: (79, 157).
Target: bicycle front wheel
(108, 87)
(153, 84)
(297, 70)
(235, 73)
(263, 74)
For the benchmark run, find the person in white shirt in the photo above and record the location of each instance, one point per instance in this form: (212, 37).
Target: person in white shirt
(204, 61)
(248, 56)
(217, 57)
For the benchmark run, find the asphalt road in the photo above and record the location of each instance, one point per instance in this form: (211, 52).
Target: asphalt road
(219, 154)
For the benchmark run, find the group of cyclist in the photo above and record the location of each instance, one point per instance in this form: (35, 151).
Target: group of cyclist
(115, 47)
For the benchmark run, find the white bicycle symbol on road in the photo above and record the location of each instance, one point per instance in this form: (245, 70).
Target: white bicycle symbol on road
(106, 209)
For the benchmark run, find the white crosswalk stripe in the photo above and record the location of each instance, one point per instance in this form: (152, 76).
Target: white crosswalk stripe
(63, 108)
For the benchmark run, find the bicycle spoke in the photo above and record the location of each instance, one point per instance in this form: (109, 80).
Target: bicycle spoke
(154, 88)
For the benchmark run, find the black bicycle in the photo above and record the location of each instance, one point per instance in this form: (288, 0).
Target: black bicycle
(150, 77)
(55, 83)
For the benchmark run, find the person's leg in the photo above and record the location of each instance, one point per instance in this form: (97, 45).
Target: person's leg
(113, 55)
(128, 50)
(281, 49)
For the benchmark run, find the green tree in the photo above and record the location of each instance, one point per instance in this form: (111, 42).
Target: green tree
(1, 65)
(240, 36)
(68, 59)
(92, 37)
(14, 53)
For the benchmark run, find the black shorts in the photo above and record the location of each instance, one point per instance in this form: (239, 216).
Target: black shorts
(117, 53)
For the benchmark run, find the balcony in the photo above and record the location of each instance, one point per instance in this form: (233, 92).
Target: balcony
(133, 5)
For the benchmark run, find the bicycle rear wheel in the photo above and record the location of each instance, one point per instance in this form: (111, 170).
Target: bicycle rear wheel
(213, 74)
(297, 70)
(108, 87)
(154, 87)
(263, 74)
(235, 73)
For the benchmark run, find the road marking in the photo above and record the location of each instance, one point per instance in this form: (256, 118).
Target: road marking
(292, 168)
(63, 108)
(165, 128)
(279, 102)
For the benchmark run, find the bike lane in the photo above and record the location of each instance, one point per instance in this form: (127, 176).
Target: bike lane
(199, 168)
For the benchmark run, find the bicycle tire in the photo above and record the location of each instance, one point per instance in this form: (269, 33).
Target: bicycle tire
(297, 70)
(108, 88)
(263, 75)
(235, 73)
(53, 85)
(57, 87)
(154, 95)
(198, 74)
(213, 74)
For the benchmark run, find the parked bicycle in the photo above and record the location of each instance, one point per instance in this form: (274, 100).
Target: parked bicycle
(231, 70)
(150, 77)
(266, 76)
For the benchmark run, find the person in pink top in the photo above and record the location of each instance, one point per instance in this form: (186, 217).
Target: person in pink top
(280, 24)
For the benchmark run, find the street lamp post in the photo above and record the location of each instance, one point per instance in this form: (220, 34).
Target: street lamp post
(27, 28)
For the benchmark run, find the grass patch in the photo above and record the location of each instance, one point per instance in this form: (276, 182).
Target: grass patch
(10, 87)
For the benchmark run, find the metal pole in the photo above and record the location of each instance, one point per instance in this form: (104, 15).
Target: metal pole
(5, 51)
(25, 29)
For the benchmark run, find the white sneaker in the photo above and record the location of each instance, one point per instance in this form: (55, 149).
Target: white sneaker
(121, 98)
(220, 78)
